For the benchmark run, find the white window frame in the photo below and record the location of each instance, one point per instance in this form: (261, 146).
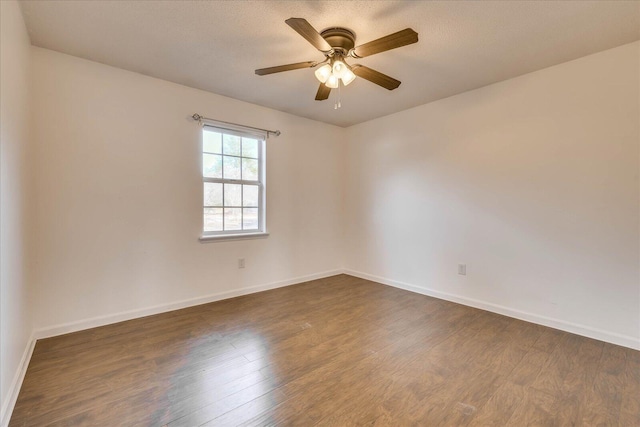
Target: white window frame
(261, 183)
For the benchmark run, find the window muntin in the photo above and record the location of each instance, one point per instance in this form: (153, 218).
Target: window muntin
(233, 182)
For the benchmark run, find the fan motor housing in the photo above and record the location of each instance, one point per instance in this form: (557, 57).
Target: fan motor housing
(339, 38)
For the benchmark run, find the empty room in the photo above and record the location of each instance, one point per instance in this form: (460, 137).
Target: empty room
(319, 213)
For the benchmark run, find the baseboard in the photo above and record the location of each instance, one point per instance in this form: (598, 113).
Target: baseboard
(574, 328)
(94, 322)
(14, 389)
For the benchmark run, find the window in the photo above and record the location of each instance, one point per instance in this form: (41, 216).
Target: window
(233, 180)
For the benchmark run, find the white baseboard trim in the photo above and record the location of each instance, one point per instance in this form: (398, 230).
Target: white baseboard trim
(574, 328)
(94, 322)
(12, 394)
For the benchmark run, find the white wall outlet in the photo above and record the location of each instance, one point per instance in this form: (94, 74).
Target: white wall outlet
(462, 269)
(240, 262)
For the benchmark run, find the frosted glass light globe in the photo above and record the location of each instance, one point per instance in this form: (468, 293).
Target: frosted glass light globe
(339, 68)
(332, 82)
(348, 77)
(323, 73)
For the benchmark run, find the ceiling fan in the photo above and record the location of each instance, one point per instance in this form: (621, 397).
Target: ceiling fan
(337, 44)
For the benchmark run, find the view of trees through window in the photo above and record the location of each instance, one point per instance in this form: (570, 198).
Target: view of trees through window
(231, 174)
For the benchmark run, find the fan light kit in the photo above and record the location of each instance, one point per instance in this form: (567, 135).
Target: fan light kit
(337, 44)
(332, 74)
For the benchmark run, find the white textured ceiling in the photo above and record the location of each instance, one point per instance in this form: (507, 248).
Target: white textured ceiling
(216, 45)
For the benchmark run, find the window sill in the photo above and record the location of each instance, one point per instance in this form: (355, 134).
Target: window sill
(239, 236)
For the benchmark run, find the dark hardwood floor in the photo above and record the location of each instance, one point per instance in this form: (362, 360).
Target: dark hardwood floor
(332, 352)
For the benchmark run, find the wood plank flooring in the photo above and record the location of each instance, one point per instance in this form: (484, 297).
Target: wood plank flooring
(332, 352)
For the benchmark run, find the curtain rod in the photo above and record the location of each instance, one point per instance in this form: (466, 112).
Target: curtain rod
(197, 117)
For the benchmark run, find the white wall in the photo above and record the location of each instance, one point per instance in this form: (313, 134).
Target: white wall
(531, 182)
(119, 196)
(15, 310)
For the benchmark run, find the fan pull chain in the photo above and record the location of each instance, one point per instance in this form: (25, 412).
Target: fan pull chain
(338, 104)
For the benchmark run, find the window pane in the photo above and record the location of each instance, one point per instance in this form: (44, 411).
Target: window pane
(249, 169)
(212, 165)
(231, 167)
(231, 145)
(213, 219)
(232, 194)
(250, 195)
(250, 148)
(228, 204)
(250, 219)
(211, 142)
(233, 218)
(212, 194)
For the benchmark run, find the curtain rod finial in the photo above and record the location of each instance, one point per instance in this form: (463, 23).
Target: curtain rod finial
(196, 116)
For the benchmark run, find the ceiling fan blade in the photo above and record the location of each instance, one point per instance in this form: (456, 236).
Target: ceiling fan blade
(392, 41)
(305, 29)
(288, 67)
(375, 77)
(323, 92)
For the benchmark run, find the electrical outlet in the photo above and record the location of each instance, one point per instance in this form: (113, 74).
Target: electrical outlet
(462, 269)
(240, 262)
